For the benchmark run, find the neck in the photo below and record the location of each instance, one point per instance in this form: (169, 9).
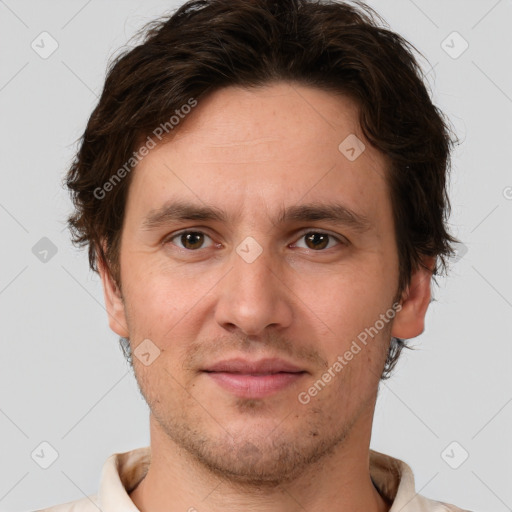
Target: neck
(176, 481)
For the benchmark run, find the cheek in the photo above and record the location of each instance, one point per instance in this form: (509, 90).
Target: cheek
(349, 299)
(152, 294)
(163, 309)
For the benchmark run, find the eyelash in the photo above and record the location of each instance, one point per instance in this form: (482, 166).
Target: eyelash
(340, 240)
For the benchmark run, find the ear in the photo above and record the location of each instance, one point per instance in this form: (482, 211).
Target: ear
(113, 301)
(409, 322)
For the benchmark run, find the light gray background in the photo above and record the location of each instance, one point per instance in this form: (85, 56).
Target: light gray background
(63, 377)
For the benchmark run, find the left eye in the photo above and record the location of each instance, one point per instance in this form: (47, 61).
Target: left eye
(318, 241)
(191, 240)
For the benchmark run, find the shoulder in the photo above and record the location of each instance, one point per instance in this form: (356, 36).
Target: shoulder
(395, 481)
(87, 504)
(423, 504)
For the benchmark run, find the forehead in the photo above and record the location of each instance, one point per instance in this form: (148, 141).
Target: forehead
(276, 144)
(234, 117)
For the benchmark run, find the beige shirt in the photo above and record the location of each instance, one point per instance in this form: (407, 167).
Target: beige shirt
(122, 472)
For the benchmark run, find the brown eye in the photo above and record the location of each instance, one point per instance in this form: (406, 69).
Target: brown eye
(190, 240)
(317, 240)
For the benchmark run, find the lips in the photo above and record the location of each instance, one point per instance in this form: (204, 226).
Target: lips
(254, 379)
(263, 366)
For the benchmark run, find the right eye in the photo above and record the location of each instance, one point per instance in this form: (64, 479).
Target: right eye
(190, 240)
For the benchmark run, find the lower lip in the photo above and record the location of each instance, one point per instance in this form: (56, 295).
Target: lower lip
(255, 386)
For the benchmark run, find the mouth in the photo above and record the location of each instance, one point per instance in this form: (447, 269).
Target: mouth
(254, 379)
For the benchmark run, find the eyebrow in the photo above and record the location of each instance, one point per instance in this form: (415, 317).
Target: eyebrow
(335, 213)
(179, 211)
(175, 211)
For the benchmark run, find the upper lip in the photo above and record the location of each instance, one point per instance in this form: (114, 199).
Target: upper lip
(239, 365)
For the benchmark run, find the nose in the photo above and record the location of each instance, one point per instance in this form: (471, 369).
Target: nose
(253, 296)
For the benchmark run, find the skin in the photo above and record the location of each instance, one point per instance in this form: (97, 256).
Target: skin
(252, 153)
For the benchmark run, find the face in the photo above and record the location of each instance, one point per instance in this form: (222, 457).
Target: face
(254, 253)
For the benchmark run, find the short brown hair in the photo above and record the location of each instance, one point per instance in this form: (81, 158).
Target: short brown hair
(209, 44)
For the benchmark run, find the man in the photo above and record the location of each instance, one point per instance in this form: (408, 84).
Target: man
(262, 187)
